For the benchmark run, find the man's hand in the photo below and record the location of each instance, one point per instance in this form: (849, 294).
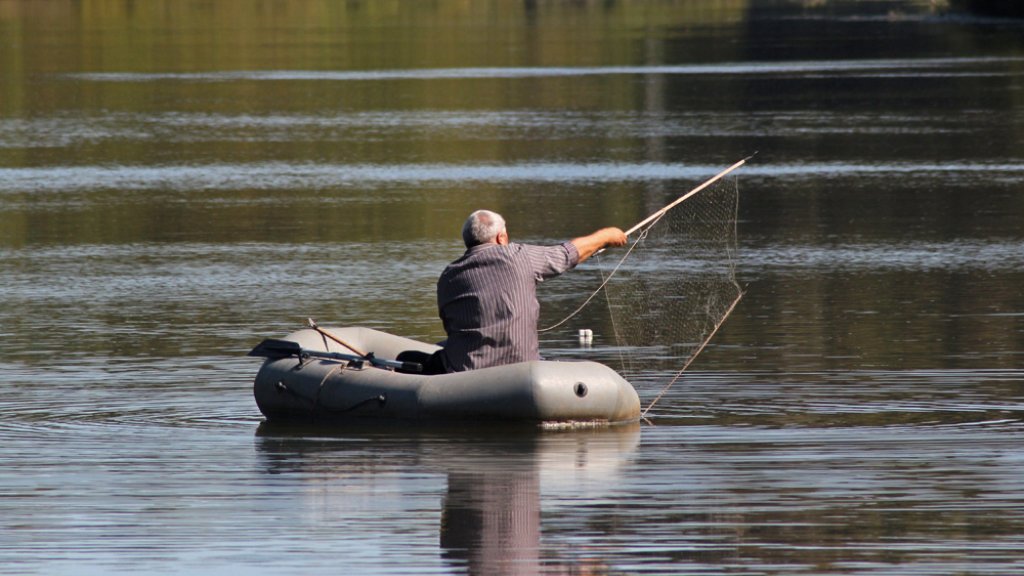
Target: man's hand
(614, 237)
(604, 238)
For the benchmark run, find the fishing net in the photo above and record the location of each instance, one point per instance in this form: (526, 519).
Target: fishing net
(675, 285)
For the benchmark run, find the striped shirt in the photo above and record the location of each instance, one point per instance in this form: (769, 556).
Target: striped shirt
(487, 300)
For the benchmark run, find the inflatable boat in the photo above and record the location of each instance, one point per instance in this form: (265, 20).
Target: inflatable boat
(349, 374)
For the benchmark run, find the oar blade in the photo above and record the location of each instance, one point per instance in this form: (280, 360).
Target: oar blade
(271, 348)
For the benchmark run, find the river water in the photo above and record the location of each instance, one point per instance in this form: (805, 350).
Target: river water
(179, 180)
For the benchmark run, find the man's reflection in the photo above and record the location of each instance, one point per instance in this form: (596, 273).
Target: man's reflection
(491, 513)
(491, 508)
(491, 521)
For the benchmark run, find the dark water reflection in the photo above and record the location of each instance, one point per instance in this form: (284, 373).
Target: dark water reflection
(497, 485)
(181, 179)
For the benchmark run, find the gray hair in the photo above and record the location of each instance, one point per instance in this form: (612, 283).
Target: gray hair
(481, 227)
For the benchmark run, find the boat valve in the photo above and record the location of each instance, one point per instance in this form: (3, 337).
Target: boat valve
(580, 389)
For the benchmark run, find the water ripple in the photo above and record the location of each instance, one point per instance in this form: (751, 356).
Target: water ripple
(283, 176)
(66, 129)
(736, 68)
(963, 254)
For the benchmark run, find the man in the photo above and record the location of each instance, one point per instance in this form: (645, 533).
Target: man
(487, 299)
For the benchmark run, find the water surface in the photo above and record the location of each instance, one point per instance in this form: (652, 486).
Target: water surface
(179, 180)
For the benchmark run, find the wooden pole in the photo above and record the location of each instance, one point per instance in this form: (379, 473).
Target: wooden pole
(356, 351)
(693, 356)
(675, 202)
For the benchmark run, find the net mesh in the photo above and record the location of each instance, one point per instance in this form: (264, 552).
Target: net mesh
(675, 286)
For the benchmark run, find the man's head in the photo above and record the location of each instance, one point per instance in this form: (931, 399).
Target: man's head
(484, 227)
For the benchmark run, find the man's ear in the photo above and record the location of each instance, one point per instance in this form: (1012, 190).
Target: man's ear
(502, 238)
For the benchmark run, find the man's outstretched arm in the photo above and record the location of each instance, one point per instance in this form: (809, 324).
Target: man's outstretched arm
(603, 238)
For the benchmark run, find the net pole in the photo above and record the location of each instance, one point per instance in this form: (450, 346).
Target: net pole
(682, 198)
(693, 356)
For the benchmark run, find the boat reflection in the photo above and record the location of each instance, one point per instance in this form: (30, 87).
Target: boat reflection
(495, 482)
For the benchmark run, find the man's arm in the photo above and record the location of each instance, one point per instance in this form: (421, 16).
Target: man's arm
(603, 238)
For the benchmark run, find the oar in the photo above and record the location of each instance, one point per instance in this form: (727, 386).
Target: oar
(272, 348)
(314, 326)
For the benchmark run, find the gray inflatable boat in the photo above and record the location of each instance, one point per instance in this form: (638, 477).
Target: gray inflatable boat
(346, 374)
